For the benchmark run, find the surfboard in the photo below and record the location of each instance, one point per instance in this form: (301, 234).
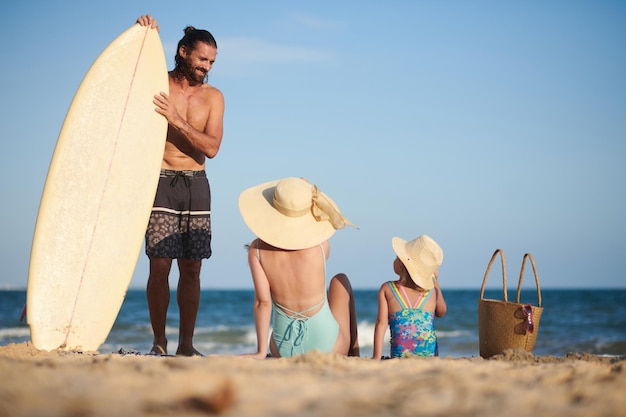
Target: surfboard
(98, 195)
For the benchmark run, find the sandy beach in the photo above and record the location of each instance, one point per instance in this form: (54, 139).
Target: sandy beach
(515, 383)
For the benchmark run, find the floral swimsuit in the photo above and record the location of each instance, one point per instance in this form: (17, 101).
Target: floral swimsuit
(412, 329)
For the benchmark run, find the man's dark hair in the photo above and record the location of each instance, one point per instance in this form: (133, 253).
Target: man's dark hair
(191, 39)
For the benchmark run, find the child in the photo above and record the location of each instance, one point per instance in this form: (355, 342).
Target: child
(409, 305)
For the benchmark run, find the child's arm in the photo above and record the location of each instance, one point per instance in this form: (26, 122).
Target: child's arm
(382, 321)
(440, 307)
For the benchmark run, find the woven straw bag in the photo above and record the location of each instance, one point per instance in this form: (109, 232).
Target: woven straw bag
(506, 325)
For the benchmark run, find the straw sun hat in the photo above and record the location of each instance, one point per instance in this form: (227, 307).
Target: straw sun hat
(421, 257)
(290, 213)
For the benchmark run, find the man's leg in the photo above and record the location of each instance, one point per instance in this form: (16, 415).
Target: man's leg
(188, 297)
(158, 293)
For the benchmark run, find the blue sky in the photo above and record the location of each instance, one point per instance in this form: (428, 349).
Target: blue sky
(484, 124)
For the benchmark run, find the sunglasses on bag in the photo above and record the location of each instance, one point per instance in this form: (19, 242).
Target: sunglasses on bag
(528, 323)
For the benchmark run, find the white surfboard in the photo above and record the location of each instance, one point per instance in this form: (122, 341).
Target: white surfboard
(98, 196)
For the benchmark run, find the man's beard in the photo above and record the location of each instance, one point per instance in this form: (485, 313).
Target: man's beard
(190, 72)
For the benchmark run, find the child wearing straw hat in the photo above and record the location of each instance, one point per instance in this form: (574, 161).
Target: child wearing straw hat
(293, 221)
(410, 304)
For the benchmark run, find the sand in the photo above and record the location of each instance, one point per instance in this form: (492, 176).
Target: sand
(515, 383)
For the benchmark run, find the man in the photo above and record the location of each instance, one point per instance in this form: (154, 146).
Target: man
(180, 224)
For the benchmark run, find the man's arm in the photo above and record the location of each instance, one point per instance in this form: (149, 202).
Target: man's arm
(207, 141)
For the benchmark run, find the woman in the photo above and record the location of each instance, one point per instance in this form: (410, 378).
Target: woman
(293, 221)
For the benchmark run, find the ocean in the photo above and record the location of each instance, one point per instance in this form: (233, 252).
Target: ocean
(583, 321)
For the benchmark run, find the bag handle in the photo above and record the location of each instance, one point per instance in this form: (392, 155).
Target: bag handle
(502, 261)
(521, 275)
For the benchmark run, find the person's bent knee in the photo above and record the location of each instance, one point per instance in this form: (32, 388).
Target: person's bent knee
(342, 279)
(339, 291)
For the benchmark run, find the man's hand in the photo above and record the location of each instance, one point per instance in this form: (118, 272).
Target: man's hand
(148, 20)
(167, 109)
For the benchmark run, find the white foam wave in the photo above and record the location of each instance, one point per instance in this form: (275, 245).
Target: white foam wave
(14, 332)
(454, 333)
(366, 334)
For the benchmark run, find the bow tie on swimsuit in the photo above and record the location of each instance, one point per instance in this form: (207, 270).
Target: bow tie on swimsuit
(298, 328)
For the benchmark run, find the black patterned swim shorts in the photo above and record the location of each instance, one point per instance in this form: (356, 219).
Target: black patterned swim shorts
(180, 223)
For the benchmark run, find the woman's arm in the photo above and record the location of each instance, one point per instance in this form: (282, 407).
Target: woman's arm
(262, 303)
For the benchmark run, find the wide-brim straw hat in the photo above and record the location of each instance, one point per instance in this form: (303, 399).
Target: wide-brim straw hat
(421, 257)
(290, 213)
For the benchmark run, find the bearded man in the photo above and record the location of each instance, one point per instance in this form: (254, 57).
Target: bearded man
(180, 223)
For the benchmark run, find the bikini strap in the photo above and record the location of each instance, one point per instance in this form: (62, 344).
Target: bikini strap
(324, 260)
(300, 315)
(394, 290)
(404, 301)
(425, 297)
(417, 302)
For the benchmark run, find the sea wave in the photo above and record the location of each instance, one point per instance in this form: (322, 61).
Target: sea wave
(225, 323)
(14, 332)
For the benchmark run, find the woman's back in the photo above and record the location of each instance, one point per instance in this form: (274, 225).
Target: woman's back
(297, 278)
